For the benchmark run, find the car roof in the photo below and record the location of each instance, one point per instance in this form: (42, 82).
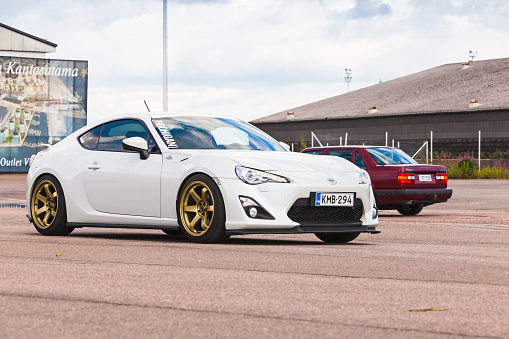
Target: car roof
(153, 115)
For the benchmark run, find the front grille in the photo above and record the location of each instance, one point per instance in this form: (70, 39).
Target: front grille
(303, 212)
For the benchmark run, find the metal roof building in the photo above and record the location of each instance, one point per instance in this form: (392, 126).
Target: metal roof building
(454, 101)
(14, 42)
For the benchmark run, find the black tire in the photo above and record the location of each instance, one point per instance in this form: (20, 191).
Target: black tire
(200, 202)
(411, 209)
(47, 207)
(337, 238)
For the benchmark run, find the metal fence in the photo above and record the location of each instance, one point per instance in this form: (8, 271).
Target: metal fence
(430, 148)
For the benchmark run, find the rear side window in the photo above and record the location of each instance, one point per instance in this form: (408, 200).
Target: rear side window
(343, 153)
(358, 161)
(90, 139)
(114, 132)
(319, 152)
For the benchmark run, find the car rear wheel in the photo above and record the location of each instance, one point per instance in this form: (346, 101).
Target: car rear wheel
(411, 210)
(47, 207)
(338, 238)
(201, 210)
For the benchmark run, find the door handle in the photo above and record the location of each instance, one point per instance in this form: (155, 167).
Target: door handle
(94, 166)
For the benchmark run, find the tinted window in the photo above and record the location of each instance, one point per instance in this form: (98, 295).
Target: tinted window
(90, 139)
(343, 153)
(319, 152)
(114, 132)
(390, 156)
(358, 161)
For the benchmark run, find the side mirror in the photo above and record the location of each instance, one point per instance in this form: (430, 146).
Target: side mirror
(136, 144)
(285, 146)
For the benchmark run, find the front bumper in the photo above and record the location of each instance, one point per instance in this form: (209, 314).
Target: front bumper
(278, 198)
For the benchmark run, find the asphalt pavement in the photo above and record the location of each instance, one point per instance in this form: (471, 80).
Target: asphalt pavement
(441, 274)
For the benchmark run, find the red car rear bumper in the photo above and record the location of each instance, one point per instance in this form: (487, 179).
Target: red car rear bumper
(412, 196)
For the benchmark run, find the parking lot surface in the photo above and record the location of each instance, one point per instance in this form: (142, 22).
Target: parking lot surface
(441, 274)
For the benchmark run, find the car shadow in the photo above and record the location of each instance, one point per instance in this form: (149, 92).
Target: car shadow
(240, 240)
(129, 236)
(234, 240)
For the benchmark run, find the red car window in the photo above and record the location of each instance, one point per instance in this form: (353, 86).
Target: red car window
(318, 152)
(343, 153)
(358, 161)
(390, 156)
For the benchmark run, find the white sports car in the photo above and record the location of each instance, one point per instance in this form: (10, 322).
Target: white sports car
(206, 177)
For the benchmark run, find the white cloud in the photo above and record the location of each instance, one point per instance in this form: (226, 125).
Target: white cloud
(249, 58)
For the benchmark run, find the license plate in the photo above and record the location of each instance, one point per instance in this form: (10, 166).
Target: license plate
(425, 177)
(334, 199)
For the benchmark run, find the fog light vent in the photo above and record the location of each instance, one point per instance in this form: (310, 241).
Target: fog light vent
(253, 209)
(253, 212)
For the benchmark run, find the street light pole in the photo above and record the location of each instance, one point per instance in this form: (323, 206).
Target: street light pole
(165, 57)
(348, 78)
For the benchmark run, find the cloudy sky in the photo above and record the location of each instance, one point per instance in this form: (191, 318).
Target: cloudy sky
(252, 58)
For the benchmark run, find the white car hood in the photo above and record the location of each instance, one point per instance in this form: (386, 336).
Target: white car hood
(290, 162)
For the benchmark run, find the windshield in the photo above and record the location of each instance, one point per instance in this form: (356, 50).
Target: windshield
(213, 133)
(390, 156)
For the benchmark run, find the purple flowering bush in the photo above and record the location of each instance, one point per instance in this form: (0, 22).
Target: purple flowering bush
(465, 166)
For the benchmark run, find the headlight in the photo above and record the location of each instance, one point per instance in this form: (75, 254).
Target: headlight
(364, 177)
(255, 177)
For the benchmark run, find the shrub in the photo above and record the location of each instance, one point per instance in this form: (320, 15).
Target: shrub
(490, 173)
(303, 144)
(498, 154)
(467, 167)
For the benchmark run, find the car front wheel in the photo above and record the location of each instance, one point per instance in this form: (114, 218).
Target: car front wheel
(337, 238)
(47, 207)
(201, 210)
(411, 210)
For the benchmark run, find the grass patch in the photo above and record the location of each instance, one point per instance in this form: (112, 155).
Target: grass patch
(466, 167)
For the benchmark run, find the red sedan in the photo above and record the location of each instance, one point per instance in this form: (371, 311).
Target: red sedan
(398, 181)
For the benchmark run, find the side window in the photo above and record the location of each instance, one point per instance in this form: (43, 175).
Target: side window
(114, 132)
(90, 139)
(343, 153)
(318, 152)
(358, 161)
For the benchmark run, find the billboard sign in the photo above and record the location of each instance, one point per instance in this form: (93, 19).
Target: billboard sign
(41, 102)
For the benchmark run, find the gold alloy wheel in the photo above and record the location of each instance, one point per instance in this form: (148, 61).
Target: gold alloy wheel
(44, 204)
(197, 208)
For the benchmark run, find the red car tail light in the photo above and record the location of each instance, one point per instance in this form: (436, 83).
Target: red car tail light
(441, 178)
(406, 178)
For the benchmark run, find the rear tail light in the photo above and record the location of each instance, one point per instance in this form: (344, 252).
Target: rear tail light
(441, 178)
(406, 178)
